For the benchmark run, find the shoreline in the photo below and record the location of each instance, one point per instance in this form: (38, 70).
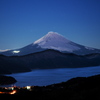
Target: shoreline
(75, 88)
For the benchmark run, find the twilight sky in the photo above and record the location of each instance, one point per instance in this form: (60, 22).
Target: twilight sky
(24, 21)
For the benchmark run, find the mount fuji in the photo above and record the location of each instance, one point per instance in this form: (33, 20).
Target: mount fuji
(53, 41)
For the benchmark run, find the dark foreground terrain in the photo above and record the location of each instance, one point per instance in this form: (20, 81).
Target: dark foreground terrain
(6, 80)
(80, 88)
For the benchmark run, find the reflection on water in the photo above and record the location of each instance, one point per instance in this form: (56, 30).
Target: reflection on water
(51, 76)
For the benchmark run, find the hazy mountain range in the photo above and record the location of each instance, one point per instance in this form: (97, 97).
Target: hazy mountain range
(51, 51)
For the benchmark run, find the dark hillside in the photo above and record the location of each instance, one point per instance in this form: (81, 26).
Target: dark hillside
(46, 60)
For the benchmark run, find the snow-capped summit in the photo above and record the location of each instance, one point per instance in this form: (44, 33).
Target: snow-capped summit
(54, 41)
(50, 37)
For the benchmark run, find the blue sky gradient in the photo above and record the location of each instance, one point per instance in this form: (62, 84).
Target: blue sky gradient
(24, 21)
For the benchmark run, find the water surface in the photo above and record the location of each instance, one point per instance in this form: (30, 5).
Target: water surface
(50, 76)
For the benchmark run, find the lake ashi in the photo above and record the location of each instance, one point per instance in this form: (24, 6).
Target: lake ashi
(51, 76)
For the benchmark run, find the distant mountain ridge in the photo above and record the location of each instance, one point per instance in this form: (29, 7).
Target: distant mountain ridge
(54, 41)
(47, 59)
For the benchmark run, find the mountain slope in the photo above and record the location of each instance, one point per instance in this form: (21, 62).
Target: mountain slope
(54, 41)
(10, 65)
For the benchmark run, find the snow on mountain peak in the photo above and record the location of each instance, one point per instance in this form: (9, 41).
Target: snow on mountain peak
(50, 37)
(53, 40)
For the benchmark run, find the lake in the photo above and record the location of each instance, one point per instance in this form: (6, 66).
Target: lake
(50, 76)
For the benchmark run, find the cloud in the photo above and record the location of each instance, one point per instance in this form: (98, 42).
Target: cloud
(4, 50)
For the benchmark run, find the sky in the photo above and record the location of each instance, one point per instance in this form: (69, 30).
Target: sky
(24, 21)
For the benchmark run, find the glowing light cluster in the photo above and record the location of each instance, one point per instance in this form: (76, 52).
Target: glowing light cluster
(13, 92)
(28, 87)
